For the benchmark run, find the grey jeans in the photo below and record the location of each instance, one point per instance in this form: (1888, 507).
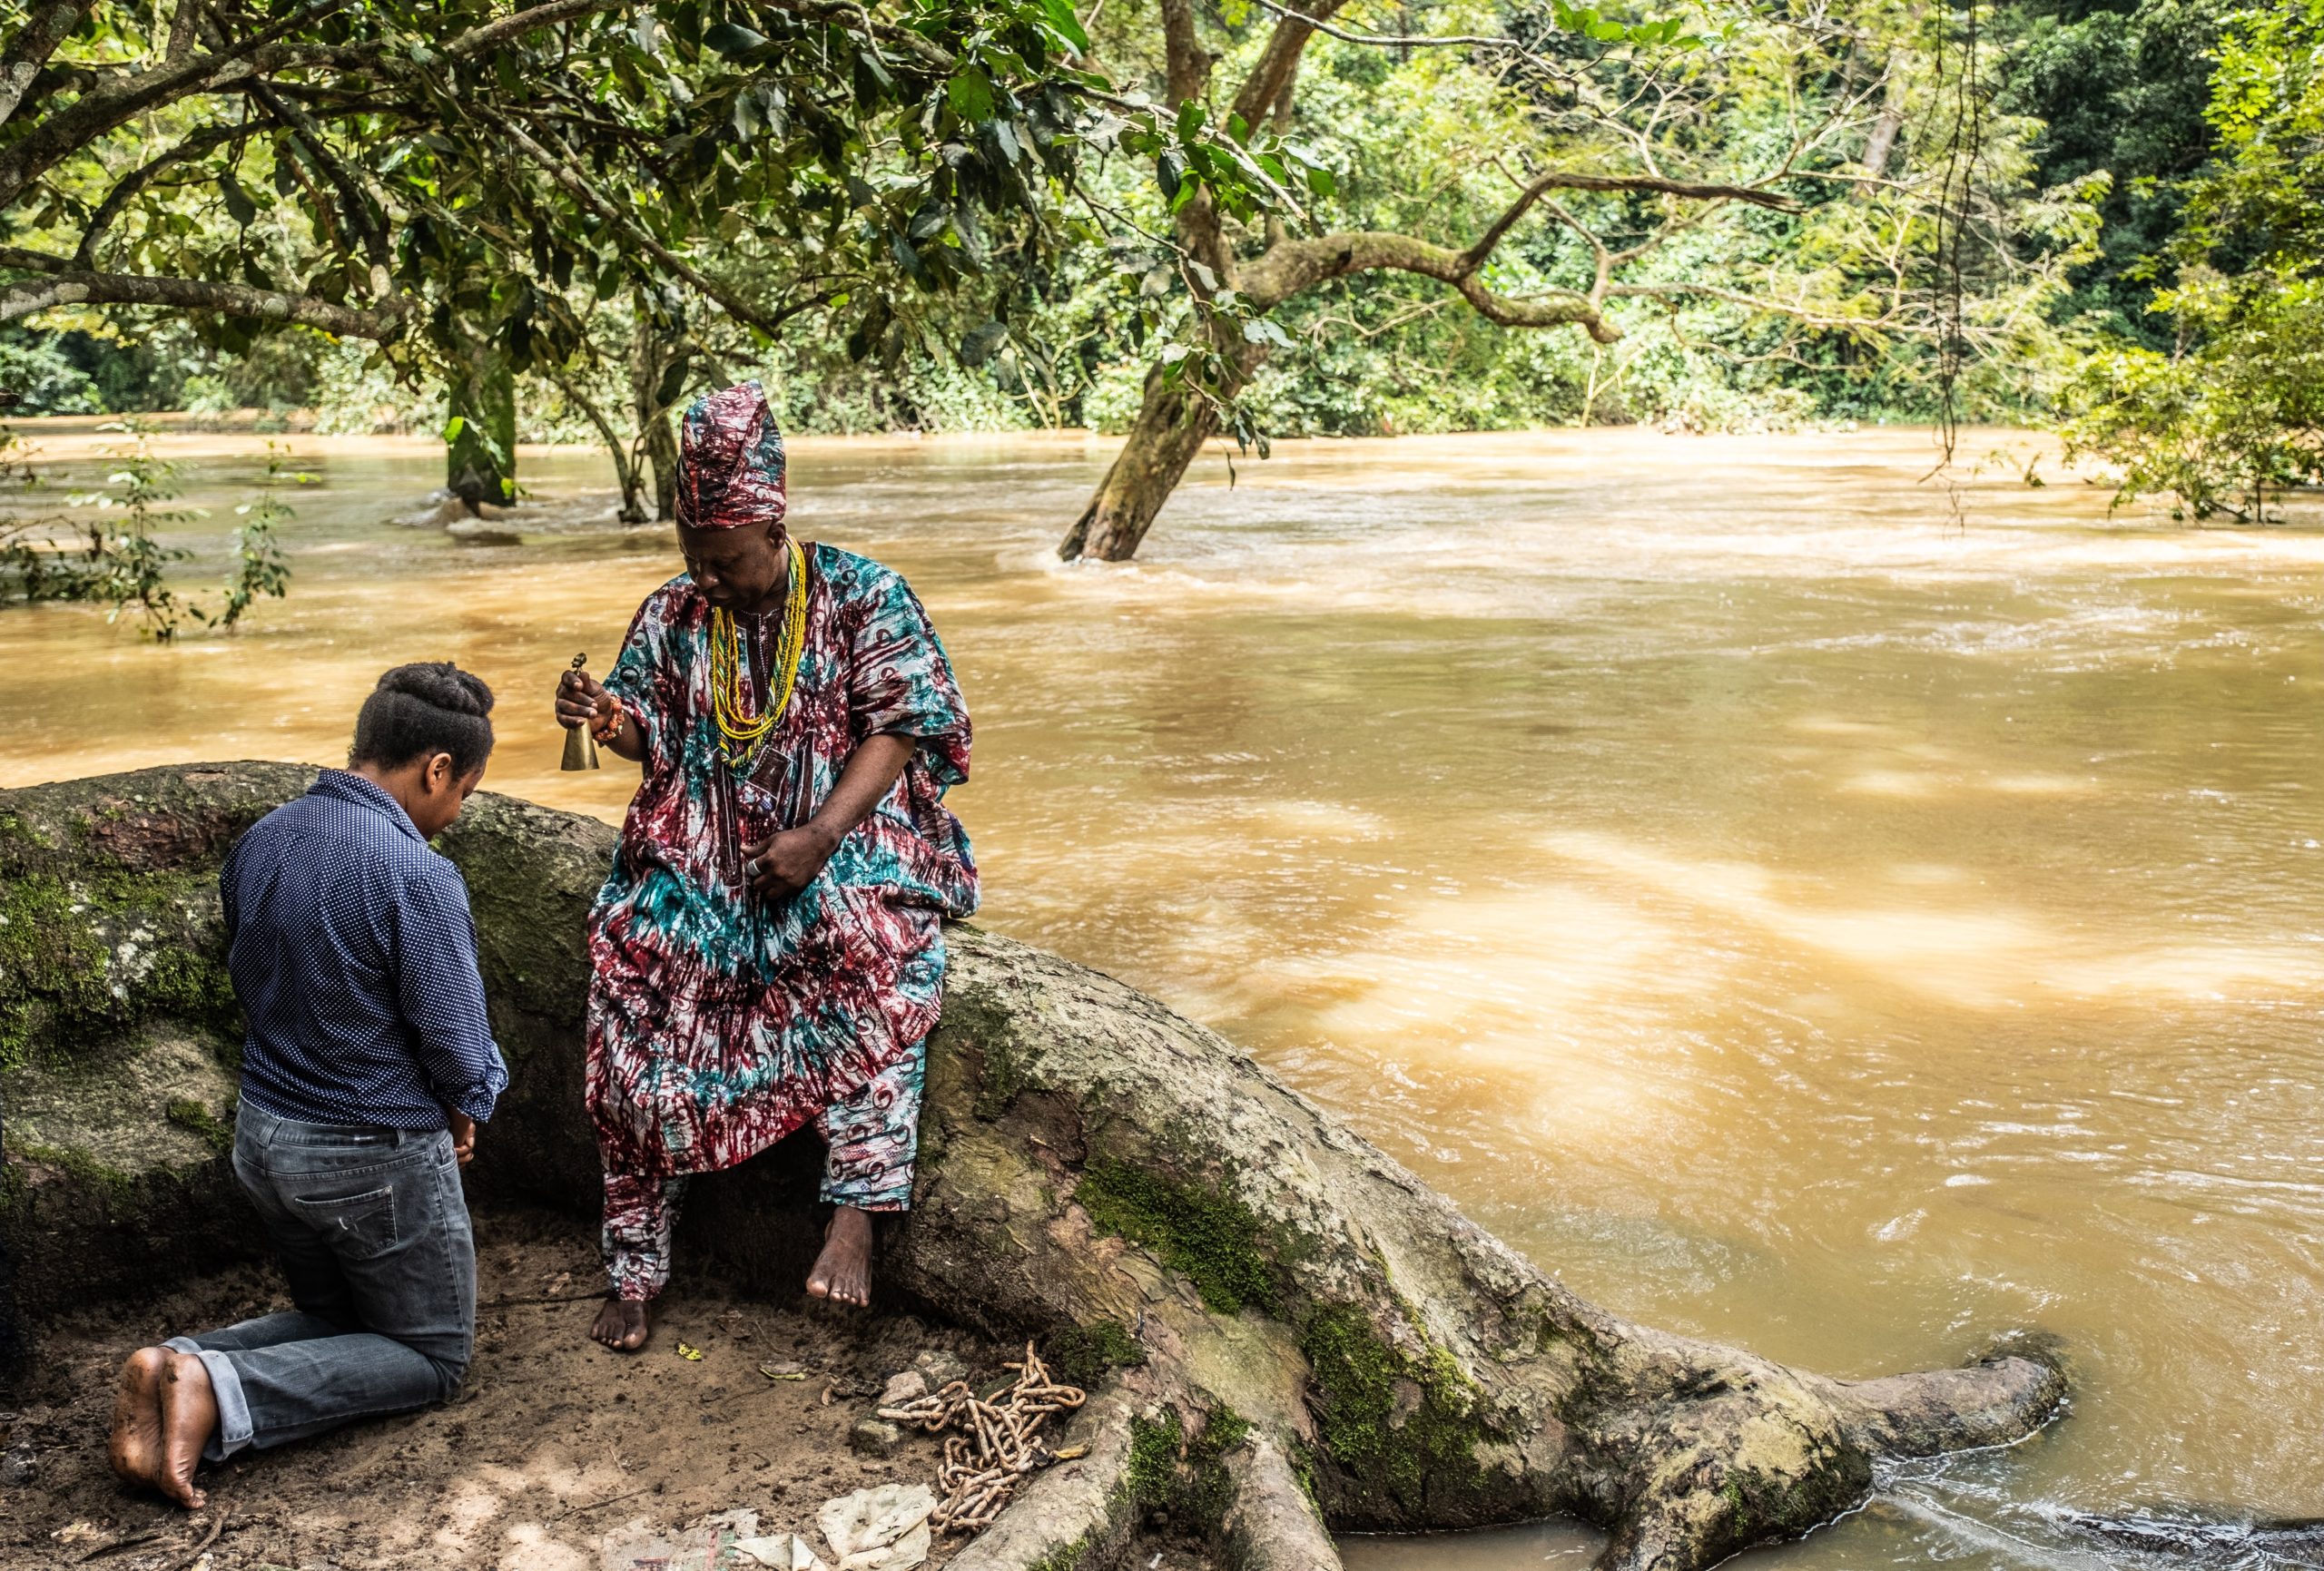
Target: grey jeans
(372, 1231)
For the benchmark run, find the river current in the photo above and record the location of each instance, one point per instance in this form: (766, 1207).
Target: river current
(1803, 904)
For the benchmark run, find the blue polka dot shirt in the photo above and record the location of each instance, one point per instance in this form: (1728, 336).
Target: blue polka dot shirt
(354, 955)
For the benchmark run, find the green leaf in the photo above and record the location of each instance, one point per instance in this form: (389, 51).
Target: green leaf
(971, 96)
(983, 339)
(1066, 23)
(734, 40)
(237, 201)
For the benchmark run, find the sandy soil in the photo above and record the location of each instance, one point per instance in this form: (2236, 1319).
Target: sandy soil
(552, 1442)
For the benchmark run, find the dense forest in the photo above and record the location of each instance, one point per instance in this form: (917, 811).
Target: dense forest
(1177, 219)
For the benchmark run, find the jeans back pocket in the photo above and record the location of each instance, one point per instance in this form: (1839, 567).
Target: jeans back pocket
(358, 1226)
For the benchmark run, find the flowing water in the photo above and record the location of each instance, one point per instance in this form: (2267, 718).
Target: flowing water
(1802, 905)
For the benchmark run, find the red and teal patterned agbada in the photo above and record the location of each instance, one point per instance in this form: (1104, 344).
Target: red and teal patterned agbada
(720, 1021)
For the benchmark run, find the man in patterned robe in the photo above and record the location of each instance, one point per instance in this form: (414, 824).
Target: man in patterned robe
(769, 948)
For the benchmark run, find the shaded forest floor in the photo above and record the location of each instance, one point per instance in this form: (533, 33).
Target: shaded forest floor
(552, 1442)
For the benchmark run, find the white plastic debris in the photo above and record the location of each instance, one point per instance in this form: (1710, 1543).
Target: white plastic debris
(783, 1552)
(641, 1547)
(879, 1529)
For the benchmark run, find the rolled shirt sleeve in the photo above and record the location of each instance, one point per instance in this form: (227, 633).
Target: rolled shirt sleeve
(441, 992)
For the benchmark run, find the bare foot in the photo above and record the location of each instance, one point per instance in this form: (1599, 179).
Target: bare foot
(189, 1417)
(842, 1272)
(621, 1324)
(137, 1443)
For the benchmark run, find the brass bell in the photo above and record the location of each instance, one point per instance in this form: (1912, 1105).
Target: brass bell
(580, 743)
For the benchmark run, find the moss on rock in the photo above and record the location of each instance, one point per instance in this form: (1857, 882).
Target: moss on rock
(1396, 1422)
(1213, 1237)
(1084, 1354)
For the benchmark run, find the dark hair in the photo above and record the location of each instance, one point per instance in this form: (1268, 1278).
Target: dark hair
(431, 707)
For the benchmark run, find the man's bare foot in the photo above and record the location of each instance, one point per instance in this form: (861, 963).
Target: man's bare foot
(189, 1417)
(842, 1272)
(621, 1324)
(136, 1446)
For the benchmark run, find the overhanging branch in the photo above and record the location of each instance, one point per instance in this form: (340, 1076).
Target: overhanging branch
(384, 322)
(1296, 265)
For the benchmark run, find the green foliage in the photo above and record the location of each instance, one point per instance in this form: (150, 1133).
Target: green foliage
(2119, 89)
(112, 553)
(2237, 414)
(260, 566)
(1210, 1235)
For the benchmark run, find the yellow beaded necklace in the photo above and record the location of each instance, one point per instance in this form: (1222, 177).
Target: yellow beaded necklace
(740, 733)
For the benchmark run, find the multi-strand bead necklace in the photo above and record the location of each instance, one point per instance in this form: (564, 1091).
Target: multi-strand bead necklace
(741, 732)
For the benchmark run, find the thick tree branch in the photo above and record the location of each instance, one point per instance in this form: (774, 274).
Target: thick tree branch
(384, 322)
(1280, 59)
(1185, 68)
(33, 261)
(36, 40)
(185, 23)
(1288, 268)
(492, 35)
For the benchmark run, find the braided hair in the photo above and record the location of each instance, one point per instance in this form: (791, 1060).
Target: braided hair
(426, 707)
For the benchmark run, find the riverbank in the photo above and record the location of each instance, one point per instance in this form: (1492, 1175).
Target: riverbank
(552, 1444)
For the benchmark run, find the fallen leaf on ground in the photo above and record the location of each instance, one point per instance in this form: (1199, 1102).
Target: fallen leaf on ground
(689, 1352)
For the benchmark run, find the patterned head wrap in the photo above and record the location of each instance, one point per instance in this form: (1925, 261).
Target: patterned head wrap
(730, 461)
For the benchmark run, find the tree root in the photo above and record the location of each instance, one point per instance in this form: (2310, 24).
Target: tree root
(1272, 1525)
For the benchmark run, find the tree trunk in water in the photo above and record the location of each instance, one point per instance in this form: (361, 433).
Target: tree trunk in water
(1171, 427)
(1281, 1327)
(652, 361)
(662, 451)
(480, 461)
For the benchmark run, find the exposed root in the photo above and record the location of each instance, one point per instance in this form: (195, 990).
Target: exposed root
(1075, 1515)
(1272, 1526)
(2006, 1394)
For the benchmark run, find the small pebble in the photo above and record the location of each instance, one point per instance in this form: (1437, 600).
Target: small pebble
(875, 1438)
(940, 1368)
(20, 1465)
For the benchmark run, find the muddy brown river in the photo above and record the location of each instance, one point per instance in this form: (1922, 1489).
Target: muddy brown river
(1803, 905)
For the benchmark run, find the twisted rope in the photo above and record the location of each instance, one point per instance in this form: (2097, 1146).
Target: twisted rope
(998, 1445)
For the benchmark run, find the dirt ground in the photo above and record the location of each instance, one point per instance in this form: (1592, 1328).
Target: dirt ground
(552, 1442)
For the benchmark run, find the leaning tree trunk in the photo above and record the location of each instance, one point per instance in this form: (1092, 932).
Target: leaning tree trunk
(1172, 426)
(657, 366)
(480, 459)
(1284, 1329)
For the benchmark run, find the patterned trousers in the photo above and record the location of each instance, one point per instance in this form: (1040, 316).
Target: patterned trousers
(873, 1137)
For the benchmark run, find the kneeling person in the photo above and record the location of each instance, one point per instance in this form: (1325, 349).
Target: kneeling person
(368, 1065)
